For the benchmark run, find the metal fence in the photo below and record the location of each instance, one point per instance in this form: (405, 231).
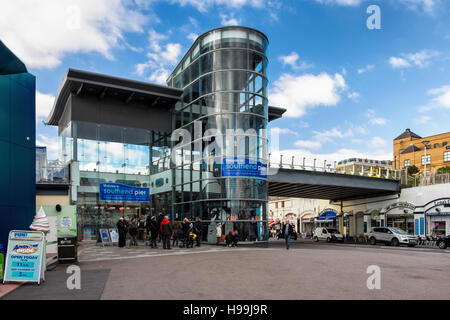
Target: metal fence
(421, 179)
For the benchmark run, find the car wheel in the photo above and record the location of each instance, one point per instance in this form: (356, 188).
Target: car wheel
(329, 239)
(316, 239)
(395, 242)
(442, 245)
(373, 241)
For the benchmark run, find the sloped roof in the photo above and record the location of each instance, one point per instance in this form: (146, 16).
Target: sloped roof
(408, 134)
(411, 148)
(9, 63)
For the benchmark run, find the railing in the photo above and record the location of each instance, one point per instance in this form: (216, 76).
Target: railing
(53, 174)
(421, 179)
(302, 163)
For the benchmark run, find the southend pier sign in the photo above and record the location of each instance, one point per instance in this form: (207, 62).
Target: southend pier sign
(243, 167)
(123, 193)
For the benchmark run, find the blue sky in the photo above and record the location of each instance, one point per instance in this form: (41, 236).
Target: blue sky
(348, 90)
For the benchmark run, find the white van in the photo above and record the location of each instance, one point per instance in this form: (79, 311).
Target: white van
(327, 234)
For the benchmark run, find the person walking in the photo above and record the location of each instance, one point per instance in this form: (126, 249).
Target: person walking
(198, 230)
(154, 231)
(133, 230)
(218, 233)
(176, 232)
(166, 232)
(288, 230)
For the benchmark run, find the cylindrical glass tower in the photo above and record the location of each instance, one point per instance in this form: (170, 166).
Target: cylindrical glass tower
(220, 175)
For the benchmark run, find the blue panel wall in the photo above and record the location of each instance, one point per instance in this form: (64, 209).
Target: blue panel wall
(17, 152)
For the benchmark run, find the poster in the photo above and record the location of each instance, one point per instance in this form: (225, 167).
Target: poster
(114, 234)
(243, 167)
(25, 258)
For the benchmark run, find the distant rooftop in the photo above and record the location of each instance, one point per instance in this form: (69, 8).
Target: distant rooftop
(9, 63)
(411, 148)
(408, 134)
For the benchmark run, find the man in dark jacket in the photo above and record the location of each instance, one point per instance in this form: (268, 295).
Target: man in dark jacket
(288, 230)
(166, 232)
(122, 227)
(154, 231)
(198, 230)
(159, 219)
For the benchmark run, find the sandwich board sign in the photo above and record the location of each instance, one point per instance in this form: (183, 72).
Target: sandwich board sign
(26, 257)
(104, 236)
(114, 235)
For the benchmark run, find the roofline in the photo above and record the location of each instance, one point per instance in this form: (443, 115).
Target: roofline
(214, 29)
(106, 81)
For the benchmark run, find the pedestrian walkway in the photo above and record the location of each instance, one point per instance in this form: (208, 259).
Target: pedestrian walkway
(90, 251)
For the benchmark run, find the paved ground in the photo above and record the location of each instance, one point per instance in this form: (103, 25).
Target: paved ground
(306, 271)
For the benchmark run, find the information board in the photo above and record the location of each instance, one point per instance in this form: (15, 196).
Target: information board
(243, 167)
(104, 236)
(114, 235)
(121, 192)
(25, 258)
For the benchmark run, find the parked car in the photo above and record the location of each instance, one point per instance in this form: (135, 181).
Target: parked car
(443, 242)
(391, 236)
(327, 234)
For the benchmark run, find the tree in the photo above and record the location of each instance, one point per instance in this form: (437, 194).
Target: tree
(412, 170)
(445, 169)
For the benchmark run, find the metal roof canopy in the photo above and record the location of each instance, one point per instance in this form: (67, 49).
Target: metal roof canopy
(329, 186)
(88, 84)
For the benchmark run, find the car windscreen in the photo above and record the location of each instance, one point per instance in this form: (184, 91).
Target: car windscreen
(395, 230)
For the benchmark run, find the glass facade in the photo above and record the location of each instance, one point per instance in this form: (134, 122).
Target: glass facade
(224, 112)
(113, 154)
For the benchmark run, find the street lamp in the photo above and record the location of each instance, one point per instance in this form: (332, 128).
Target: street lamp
(425, 168)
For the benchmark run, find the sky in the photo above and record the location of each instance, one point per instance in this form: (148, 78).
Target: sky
(348, 90)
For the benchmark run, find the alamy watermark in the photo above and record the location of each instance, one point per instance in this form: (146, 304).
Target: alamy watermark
(374, 280)
(374, 20)
(74, 281)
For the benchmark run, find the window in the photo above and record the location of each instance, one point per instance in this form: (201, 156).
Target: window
(436, 145)
(447, 156)
(426, 159)
(407, 163)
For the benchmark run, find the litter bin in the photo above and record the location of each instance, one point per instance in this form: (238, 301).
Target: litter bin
(2, 259)
(67, 249)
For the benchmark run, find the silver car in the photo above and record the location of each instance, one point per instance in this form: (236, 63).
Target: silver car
(391, 236)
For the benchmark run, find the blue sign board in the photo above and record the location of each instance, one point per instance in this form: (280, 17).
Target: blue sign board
(242, 167)
(123, 193)
(25, 260)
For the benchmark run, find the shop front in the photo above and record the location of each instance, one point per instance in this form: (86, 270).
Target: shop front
(307, 221)
(327, 218)
(433, 219)
(400, 215)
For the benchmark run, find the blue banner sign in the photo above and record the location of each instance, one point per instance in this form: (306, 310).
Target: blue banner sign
(242, 167)
(123, 193)
(25, 260)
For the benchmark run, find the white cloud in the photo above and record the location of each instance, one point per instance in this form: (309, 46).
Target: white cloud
(377, 142)
(41, 33)
(160, 58)
(329, 135)
(399, 63)
(354, 96)
(425, 5)
(367, 68)
(291, 60)
(423, 119)
(341, 2)
(373, 119)
(308, 144)
(441, 99)
(229, 20)
(421, 59)
(298, 93)
(204, 5)
(51, 142)
(192, 36)
(277, 130)
(44, 104)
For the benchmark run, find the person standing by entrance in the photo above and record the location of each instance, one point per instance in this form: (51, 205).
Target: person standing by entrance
(154, 231)
(133, 230)
(288, 230)
(198, 230)
(123, 230)
(176, 232)
(166, 232)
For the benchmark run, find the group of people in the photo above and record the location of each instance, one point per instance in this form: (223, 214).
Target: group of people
(231, 239)
(161, 229)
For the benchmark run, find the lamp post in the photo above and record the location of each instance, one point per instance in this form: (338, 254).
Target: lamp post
(425, 160)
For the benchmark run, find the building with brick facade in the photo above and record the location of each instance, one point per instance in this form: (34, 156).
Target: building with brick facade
(409, 149)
